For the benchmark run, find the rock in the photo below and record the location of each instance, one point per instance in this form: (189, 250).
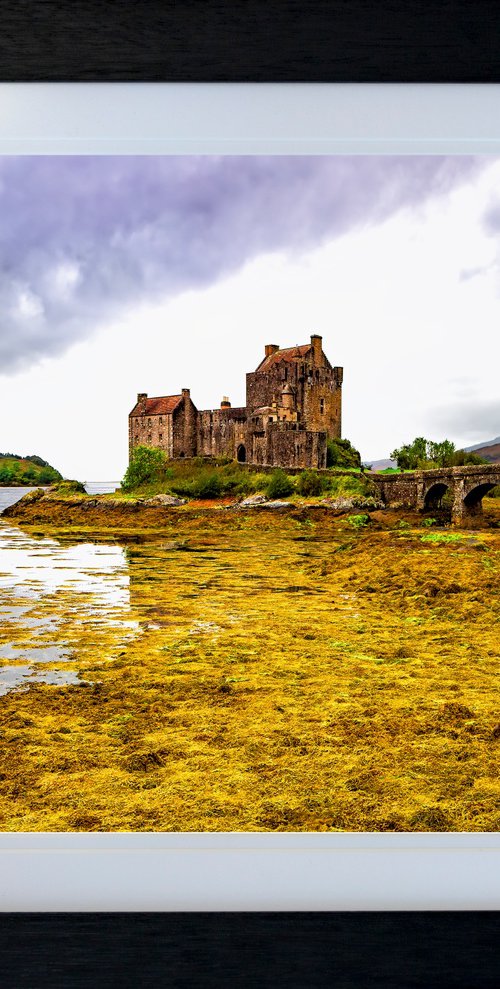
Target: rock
(277, 504)
(33, 496)
(347, 504)
(165, 500)
(257, 499)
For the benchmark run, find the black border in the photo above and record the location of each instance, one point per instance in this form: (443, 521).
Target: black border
(449, 950)
(250, 40)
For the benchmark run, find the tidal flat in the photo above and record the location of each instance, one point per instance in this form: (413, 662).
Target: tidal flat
(251, 671)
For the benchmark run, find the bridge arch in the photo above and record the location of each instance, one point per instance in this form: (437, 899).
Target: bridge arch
(435, 494)
(474, 497)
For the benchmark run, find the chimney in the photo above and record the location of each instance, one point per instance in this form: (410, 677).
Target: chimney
(316, 344)
(185, 392)
(225, 403)
(141, 400)
(271, 348)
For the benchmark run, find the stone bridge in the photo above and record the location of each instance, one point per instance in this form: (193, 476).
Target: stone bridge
(424, 489)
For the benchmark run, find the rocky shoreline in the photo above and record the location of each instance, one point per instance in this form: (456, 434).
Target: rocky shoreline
(43, 507)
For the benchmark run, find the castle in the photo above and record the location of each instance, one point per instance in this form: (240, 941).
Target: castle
(293, 405)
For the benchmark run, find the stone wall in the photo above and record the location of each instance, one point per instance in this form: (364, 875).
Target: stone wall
(220, 432)
(156, 430)
(184, 427)
(317, 390)
(396, 489)
(283, 445)
(322, 400)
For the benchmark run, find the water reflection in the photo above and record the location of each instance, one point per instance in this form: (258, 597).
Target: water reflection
(55, 599)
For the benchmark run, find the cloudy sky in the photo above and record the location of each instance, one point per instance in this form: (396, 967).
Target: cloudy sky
(128, 274)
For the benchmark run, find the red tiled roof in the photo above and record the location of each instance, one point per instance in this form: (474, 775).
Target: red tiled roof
(164, 405)
(288, 354)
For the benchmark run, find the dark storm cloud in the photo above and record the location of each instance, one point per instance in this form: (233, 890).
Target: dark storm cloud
(84, 238)
(473, 417)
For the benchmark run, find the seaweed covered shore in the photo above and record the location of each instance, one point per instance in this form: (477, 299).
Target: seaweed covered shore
(265, 671)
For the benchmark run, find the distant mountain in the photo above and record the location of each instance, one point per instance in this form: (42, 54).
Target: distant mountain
(380, 464)
(480, 446)
(489, 450)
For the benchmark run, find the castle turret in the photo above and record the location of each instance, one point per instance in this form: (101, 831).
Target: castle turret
(225, 403)
(287, 398)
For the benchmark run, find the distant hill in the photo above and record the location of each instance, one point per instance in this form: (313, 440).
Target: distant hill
(489, 450)
(380, 464)
(33, 470)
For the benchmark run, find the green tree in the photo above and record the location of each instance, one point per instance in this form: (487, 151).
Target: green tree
(146, 462)
(425, 454)
(442, 453)
(409, 456)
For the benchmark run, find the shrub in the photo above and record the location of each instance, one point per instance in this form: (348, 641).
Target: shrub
(70, 487)
(310, 483)
(280, 485)
(341, 453)
(208, 486)
(146, 462)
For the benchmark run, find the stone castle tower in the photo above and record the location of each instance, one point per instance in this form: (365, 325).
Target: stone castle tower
(293, 405)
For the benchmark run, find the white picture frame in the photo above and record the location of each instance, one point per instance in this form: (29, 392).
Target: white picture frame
(246, 871)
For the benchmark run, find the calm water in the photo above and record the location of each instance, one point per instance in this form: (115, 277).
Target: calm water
(38, 640)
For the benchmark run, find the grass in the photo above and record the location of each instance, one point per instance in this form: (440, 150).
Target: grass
(276, 674)
(199, 478)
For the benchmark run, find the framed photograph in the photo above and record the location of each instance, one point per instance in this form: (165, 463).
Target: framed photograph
(258, 679)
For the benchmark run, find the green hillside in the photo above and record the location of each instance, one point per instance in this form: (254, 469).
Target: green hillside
(32, 470)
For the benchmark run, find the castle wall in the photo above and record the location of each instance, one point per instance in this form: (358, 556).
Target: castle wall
(318, 392)
(184, 433)
(266, 387)
(322, 400)
(220, 432)
(283, 445)
(156, 430)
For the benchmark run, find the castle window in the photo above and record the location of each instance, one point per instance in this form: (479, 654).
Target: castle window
(161, 436)
(149, 422)
(285, 374)
(149, 437)
(321, 406)
(161, 420)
